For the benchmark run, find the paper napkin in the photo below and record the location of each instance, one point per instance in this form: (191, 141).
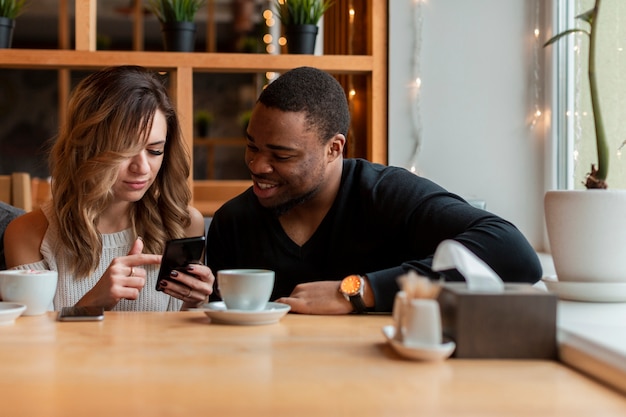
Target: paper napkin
(451, 254)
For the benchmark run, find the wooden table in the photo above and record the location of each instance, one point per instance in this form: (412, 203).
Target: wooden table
(164, 364)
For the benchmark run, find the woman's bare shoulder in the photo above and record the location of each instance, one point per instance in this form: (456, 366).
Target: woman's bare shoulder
(23, 237)
(33, 222)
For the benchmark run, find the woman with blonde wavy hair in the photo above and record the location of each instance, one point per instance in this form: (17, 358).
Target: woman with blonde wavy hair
(120, 190)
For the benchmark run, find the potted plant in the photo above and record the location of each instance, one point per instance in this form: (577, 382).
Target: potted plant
(177, 26)
(597, 177)
(203, 120)
(585, 226)
(9, 11)
(300, 19)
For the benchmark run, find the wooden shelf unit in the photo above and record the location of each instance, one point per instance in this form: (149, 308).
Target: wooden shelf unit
(181, 66)
(211, 143)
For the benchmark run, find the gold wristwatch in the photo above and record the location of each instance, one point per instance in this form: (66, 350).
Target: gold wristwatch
(352, 289)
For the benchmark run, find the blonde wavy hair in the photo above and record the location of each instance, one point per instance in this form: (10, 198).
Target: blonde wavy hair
(109, 118)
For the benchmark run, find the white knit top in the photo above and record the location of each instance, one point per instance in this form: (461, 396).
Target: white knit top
(70, 289)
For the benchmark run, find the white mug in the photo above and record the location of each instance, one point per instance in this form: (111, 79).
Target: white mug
(418, 321)
(422, 322)
(399, 306)
(245, 289)
(35, 289)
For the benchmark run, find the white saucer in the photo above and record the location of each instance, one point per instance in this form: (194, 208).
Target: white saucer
(10, 311)
(418, 352)
(600, 292)
(218, 313)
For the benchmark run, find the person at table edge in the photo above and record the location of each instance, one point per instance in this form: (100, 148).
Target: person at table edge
(120, 191)
(318, 219)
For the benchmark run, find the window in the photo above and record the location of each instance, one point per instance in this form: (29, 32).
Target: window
(573, 121)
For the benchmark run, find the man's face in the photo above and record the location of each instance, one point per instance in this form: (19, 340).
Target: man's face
(286, 160)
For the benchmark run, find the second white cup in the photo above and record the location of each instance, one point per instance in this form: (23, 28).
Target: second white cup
(420, 322)
(245, 289)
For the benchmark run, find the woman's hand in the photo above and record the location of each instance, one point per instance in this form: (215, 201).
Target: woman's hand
(124, 278)
(193, 286)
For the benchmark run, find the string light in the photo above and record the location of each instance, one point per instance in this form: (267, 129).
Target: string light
(351, 147)
(351, 15)
(578, 128)
(535, 113)
(269, 37)
(272, 37)
(415, 86)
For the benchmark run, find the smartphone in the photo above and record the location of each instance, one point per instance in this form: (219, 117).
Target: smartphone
(81, 313)
(178, 254)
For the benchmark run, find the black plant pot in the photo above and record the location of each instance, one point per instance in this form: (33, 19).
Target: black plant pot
(6, 32)
(203, 129)
(301, 39)
(179, 36)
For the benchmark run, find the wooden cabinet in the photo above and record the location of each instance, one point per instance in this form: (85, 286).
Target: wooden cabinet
(362, 70)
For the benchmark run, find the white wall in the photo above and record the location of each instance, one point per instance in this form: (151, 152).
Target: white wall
(478, 93)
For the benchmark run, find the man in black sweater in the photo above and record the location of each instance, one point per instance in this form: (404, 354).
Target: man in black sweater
(338, 232)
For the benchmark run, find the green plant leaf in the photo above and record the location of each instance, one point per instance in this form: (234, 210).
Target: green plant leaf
(301, 12)
(587, 16)
(175, 10)
(11, 9)
(562, 34)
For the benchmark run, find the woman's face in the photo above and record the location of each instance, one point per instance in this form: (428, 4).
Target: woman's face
(138, 172)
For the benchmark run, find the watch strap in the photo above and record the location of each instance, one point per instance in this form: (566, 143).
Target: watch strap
(357, 303)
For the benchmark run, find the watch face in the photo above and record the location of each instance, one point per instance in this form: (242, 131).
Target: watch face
(351, 285)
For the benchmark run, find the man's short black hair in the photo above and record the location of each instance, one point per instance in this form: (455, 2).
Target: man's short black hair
(315, 92)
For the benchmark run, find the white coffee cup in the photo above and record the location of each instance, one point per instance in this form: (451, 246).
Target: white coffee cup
(35, 289)
(245, 289)
(418, 321)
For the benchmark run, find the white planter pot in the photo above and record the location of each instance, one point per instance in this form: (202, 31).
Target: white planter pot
(587, 234)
